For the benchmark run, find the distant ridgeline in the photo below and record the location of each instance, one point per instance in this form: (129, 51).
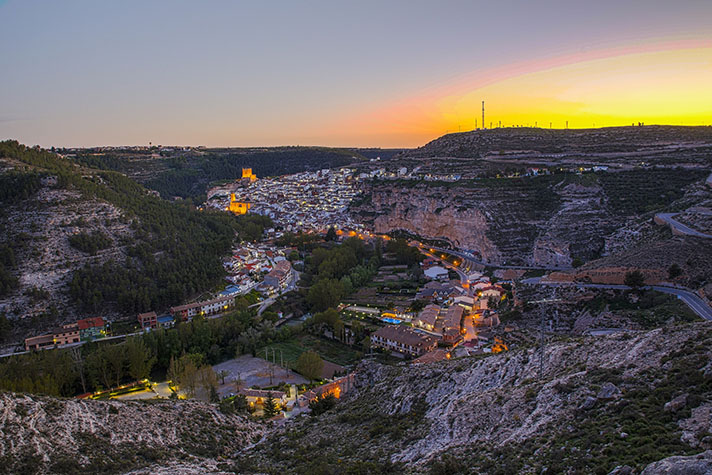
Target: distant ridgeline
(176, 251)
(187, 174)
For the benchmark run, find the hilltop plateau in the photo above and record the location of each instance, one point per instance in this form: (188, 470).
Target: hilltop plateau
(543, 198)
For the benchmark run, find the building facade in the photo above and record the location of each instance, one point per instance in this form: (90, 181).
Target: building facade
(279, 276)
(205, 308)
(403, 340)
(148, 320)
(91, 328)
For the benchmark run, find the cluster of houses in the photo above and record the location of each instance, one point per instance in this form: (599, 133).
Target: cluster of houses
(278, 278)
(87, 329)
(441, 322)
(247, 267)
(246, 264)
(446, 322)
(300, 202)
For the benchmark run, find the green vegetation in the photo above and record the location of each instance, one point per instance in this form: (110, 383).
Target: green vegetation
(270, 407)
(674, 271)
(235, 405)
(102, 365)
(634, 279)
(335, 272)
(16, 186)
(310, 365)
(322, 404)
(177, 250)
(329, 350)
(90, 243)
(648, 308)
(8, 282)
(640, 191)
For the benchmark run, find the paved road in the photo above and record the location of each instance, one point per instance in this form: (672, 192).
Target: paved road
(692, 300)
(471, 259)
(699, 306)
(669, 218)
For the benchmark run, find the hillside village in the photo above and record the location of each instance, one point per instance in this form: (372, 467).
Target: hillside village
(318, 296)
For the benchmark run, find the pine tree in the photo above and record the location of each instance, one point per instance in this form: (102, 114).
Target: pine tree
(270, 407)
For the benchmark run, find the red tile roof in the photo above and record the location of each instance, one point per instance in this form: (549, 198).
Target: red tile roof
(90, 323)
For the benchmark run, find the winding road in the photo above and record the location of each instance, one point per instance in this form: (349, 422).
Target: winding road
(675, 225)
(692, 300)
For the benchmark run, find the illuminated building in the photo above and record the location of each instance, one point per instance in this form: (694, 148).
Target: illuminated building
(238, 207)
(248, 175)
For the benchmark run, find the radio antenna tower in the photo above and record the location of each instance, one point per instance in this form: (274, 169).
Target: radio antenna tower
(483, 114)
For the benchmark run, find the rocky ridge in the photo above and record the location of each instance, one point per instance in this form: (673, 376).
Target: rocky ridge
(597, 404)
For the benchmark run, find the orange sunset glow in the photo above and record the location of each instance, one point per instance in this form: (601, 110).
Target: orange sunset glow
(667, 86)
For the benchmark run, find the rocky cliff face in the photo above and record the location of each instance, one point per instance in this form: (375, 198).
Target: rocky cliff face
(587, 406)
(545, 223)
(435, 215)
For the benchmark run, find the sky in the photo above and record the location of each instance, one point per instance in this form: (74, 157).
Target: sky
(395, 73)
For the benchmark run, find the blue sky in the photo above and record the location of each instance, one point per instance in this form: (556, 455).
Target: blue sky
(249, 73)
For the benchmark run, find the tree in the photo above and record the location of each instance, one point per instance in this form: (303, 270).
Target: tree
(184, 372)
(324, 294)
(330, 234)
(310, 365)
(322, 404)
(78, 359)
(174, 370)
(634, 279)
(576, 262)
(222, 374)
(139, 359)
(117, 361)
(674, 271)
(240, 404)
(270, 407)
(366, 344)
(99, 369)
(209, 382)
(418, 305)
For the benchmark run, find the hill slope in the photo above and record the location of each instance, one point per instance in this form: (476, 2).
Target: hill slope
(90, 241)
(45, 435)
(600, 403)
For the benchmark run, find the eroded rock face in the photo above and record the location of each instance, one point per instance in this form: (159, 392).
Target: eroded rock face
(434, 217)
(697, 426)
(608, 392)
(515, 223)
(74, 436)
(677, 403)
(700, 464)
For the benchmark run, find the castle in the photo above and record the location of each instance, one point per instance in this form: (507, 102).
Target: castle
(248, 175)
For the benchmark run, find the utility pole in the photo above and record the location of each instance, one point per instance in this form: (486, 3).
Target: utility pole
(483, 115)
